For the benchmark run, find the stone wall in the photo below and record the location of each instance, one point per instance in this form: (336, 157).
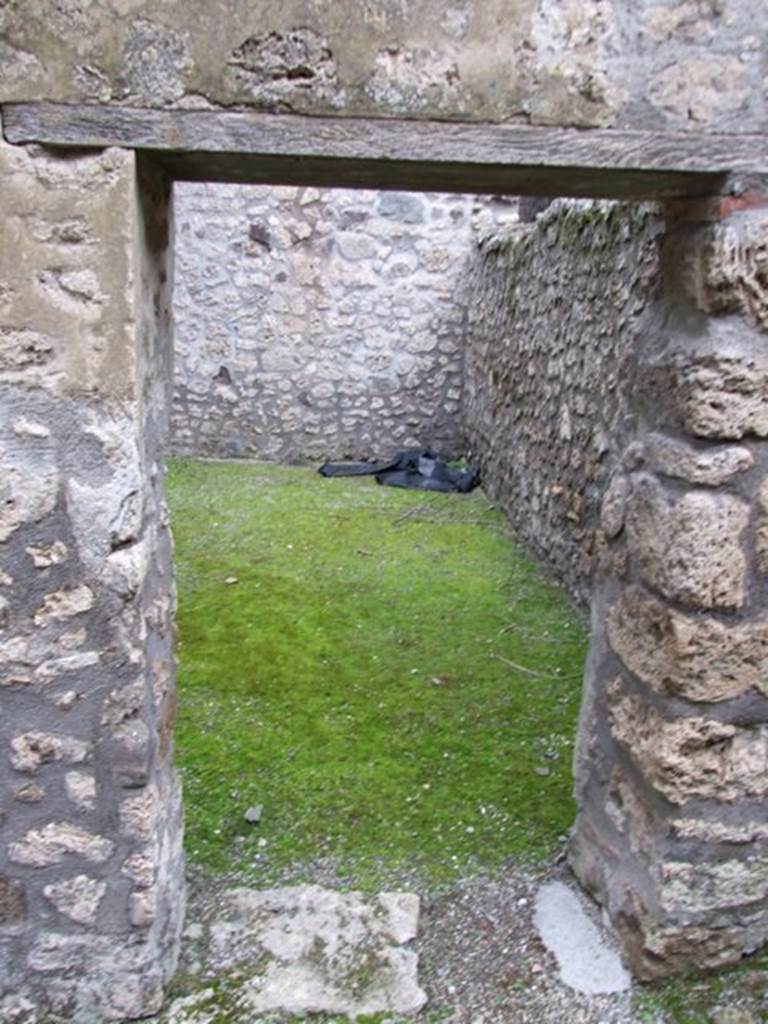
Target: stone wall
(657, 64)
(557, 306)
(91, 876)
(672, 761)
(319, 324)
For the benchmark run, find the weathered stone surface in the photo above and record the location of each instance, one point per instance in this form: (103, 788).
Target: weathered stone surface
(711, 466)
(695, 757)
(694, 657)
(34, 749)
(727, 272)
(722, 397)
(543, 396)
(26, 496)
(81, 789)
(319, 950)
(348, 326)
(137, 813)
(52, 843)
(689, 548)
(719, 832)
(555, 62)
(77, 898)
(698, 889)
(84, 309)
(65, 604)
(701, 89)
(50, 554)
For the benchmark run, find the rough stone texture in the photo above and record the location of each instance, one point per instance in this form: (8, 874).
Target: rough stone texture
(695, 657)
(316, 324)
(672, 755)
(86, 607)
(85, 649)
(693, 757)
(556, 309)
(710, 466)
(690, 549)
(678, 65)
(306, 949)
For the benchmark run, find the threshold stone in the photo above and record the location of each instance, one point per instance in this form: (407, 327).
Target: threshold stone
(306, 949)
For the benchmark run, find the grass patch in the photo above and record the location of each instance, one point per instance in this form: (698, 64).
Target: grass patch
(389, 677)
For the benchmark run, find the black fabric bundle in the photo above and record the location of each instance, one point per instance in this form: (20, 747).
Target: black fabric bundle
(417, 469)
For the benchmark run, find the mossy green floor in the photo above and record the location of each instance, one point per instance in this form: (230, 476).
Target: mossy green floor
(359, 678)
(389, 677)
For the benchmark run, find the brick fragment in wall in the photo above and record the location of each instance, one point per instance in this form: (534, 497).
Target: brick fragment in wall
(690, 548)
(695, 657)
(693, 757)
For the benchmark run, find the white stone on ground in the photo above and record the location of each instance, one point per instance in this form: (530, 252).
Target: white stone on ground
(586, 956)
(306, 949)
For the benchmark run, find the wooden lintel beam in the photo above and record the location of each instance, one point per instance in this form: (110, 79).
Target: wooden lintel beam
(388, 153)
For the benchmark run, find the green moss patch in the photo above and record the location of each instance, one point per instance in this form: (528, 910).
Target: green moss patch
(383, 671)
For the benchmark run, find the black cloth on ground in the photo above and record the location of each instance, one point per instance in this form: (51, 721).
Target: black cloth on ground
(417, 469)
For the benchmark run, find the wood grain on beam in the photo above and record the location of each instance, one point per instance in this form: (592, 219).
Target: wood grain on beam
(380, 153)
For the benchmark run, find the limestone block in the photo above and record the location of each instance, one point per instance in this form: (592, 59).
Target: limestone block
(712, 466)
(355, 246)
(54, 842)
(700, 888)
(56, 667)
(723, 397)
(141, 868)
(719, 832)
(142, 909)
(81, 789)
(689, 548)
(78, 898)
(320, 950)
(138, 814)
(727, 270)
(65, 604)
(48, 555)
(27, 494)
(695, 657)
(701, 89)
(694, 757)
(31, 750)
